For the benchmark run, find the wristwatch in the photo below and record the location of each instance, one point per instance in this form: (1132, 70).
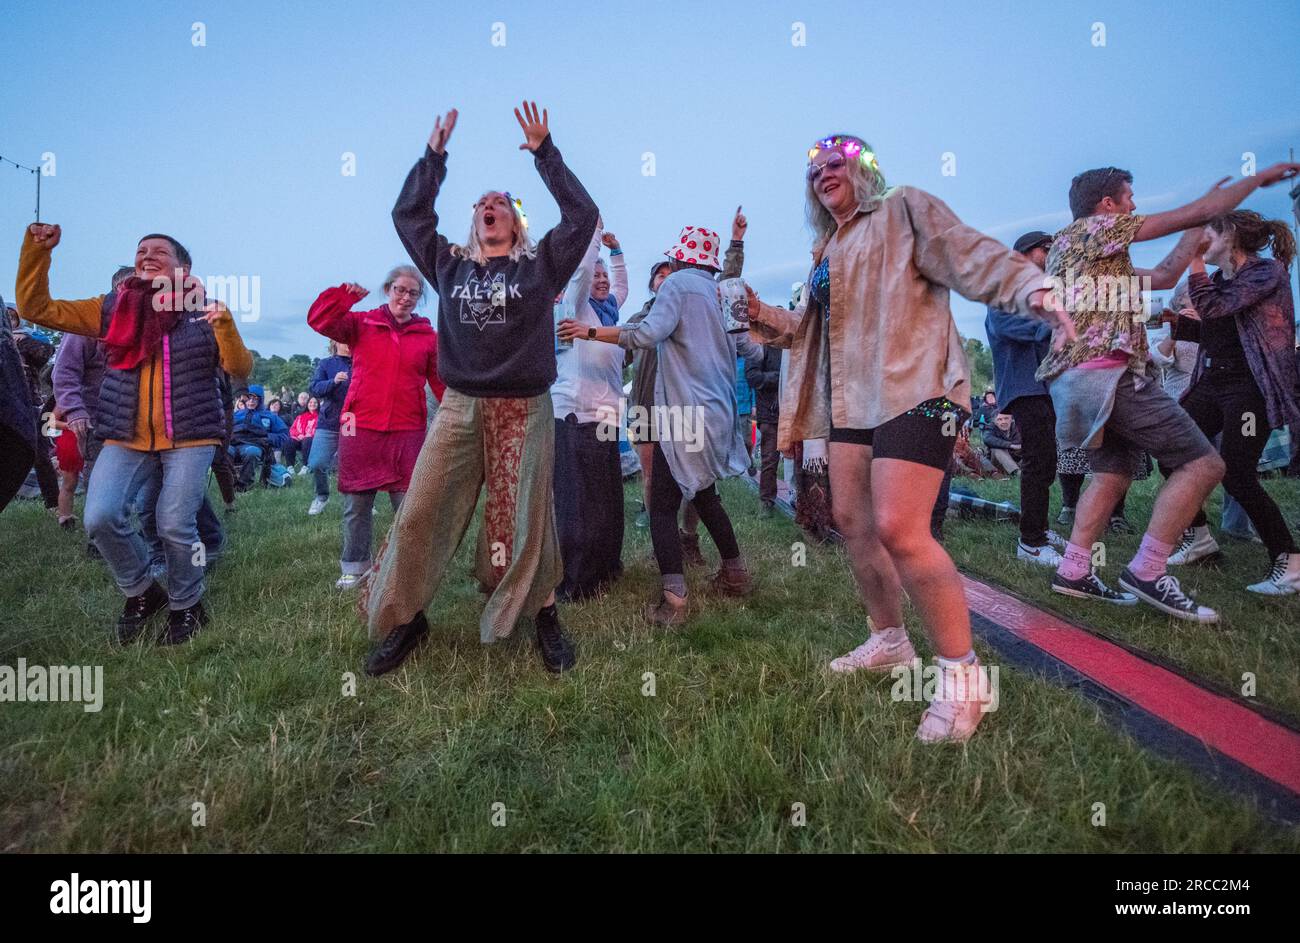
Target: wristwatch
(591, 333)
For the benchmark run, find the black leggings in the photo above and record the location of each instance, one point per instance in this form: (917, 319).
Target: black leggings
(665, 499)
(1071, 485)
(1229, 402)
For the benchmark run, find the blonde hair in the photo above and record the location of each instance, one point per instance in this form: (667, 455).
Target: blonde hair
(868, 183)
(409, 271)
(521, 247)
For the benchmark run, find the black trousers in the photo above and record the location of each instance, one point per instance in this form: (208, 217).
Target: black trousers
(46, 476)
(295, 448)
(1228, 402)
(770, 459)
(1037, 421)
(665, 499)
(588, 507)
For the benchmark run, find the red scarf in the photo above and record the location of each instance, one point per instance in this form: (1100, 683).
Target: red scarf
(138, 324)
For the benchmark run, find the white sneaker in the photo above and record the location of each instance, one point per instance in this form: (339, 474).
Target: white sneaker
(1283, 579)
(1045, 555)
(881, 651)
(957, 707)
(1056, 540)
(304, 471)
(1197, 544)
(351, 580)
(317, 505)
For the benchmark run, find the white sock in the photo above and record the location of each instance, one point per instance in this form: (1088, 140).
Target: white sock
(893, 634)
(967, 659)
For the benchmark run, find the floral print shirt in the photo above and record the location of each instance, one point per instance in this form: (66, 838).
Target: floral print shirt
(1090, 266)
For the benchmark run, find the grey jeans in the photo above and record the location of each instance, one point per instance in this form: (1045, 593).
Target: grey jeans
(358, 527)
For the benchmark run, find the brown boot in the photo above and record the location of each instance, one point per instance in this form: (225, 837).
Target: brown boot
(667, 613)
(691, 549)
(728, 582)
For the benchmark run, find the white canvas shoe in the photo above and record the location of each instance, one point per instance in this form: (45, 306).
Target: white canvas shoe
(349, 581)
(1197, 545)
(1045, 555)
(317, 505)
(1283, 579)
(959, 704)
(880, 652)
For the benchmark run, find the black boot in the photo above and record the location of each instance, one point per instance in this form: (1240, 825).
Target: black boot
(396, 646)
(137, 611)
(557, 651)
(183, 623)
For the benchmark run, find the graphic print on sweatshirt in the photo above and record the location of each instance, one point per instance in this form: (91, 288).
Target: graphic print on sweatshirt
(483, 298)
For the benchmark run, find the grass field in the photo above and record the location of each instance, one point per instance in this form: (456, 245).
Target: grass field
(472, 748)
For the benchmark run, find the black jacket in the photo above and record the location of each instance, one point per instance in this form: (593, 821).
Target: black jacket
(765, 380)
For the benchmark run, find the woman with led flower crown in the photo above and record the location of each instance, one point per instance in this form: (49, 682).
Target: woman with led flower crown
(496, 355)
(876, 365)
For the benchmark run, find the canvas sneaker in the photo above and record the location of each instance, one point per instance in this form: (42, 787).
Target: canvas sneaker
(317, 505)
(1283, 579)
(957, 707)
(349, 581)
(1165, 594)
(1091, 587)
(1197, 546)
(880, 652)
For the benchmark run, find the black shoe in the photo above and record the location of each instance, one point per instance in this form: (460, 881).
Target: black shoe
(1090, 587)
(1165, 594)
(557, 651)
(396, 646)
(92, 552)
(138, 610)
(183, 623)
(1120, 525)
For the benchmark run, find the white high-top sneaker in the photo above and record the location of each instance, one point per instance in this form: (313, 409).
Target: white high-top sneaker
(1283, 579)
(882, 651)
(957, 707)
(1197, 544)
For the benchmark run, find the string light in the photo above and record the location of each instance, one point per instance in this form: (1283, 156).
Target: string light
(851, 147)
(30, 170)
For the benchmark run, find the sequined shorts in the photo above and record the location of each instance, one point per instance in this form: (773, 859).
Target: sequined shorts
(924, 435)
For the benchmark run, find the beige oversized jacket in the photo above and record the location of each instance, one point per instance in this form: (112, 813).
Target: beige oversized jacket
(892, 342)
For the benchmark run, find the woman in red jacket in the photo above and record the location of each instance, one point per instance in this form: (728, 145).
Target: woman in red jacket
(301, 433)
(381, 429)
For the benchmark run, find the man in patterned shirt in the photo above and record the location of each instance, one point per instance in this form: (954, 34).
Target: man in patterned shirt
(1104, 400)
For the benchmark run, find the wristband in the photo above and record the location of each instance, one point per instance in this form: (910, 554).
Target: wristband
(614, 252)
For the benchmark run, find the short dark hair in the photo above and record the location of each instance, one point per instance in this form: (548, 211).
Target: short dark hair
(1092, 186)
(182, 253)
(654, 270)
(122, 274)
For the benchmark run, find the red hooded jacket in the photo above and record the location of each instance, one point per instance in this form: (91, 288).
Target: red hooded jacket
(391, 362)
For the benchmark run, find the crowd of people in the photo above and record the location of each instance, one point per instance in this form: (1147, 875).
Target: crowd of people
(520, 386)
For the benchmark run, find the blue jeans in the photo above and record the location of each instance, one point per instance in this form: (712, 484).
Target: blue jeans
(119, 475)
(324, 451)
(210, 530)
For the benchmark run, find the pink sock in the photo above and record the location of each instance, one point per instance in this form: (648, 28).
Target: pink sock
(1151, 558)
(1076, 562)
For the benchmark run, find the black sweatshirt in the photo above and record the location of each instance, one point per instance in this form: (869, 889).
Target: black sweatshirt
(496, 328)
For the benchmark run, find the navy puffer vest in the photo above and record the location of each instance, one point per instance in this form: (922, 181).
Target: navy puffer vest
(191, 390)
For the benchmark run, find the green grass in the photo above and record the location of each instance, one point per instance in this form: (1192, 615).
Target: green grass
(250, 720)
(1256, 634)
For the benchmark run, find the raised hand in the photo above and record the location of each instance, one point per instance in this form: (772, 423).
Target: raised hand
(45, 235)
(609, 240)
(535, 128)
(1278, 172)
(738, 226)
(353, 288)
(215, 311)
(442, 128)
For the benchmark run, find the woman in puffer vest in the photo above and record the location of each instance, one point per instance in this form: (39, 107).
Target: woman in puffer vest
(160, 414)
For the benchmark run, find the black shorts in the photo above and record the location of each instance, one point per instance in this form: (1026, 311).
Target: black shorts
(924, 435)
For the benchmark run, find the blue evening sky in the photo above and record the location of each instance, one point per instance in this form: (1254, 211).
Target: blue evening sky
(236, 147)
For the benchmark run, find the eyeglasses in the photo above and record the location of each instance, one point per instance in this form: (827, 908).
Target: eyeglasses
(407, 292)
(835, 162)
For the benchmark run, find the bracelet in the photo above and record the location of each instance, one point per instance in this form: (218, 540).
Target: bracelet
(614, 252)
